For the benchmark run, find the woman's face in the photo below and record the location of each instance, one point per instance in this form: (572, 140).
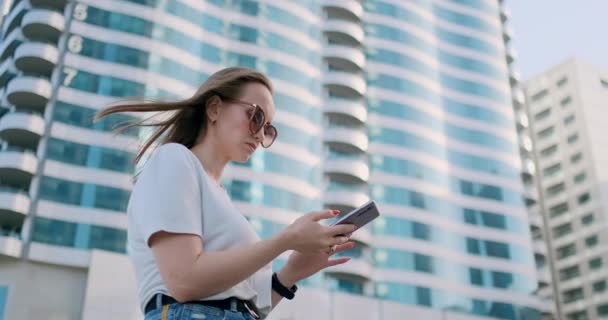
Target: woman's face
(233, 125)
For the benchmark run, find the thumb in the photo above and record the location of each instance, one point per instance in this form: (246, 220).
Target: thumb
(325, 214)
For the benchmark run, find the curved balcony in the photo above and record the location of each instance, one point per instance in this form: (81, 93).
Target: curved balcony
(349, 8)
(58, 5)
(346, 139)
(7, 71)
(345, 57)
(511, 54)
(518, 96)
(343, 31)
(507, 33)
(21, 128)
(514, 77)
(10, 43)
(29, 91)
(14, 205)
(355, 267)
(36, 57)
(505, 14)
(344, 199)
(352, 110)
(17, 166)
(344, 83)
(13, 19)
(43, 24)
(10, 245)
(347, 170)
(539, 246)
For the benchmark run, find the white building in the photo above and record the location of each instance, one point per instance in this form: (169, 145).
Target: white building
(569, 120)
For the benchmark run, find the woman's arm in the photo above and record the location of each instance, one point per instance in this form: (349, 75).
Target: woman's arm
(190, 273)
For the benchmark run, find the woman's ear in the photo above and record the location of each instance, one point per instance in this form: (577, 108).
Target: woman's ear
(213, 108)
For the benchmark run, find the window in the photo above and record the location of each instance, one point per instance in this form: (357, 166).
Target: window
(588, 219)
(591, 241)
(558, 209)
(546, 132)
(599, 286)
(555, 189)
(573, 295)
(602, 310)
(584, 198)
(566, 251)
(539, 95)
(576, 158)
(565, 101)
(562, 82)
(543, 114)
(3, 297)
(580, 177)
(578, 315)
(549, 171)
(569, 119)
(595, 263)
(562, 230)
(573, 138)
(548, 151)
(569, 273)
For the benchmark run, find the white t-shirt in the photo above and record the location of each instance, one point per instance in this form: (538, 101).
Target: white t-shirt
(173, 193)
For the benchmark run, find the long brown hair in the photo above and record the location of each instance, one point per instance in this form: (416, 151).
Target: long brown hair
(190, 117)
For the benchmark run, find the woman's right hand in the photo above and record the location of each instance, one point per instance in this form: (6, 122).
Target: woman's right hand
(307, 235)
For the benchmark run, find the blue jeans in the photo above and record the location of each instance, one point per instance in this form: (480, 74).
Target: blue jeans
(188, 311)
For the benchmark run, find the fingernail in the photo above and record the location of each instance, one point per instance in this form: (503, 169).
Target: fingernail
(336, 212)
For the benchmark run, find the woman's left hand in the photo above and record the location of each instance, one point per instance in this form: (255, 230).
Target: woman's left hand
(300, 266)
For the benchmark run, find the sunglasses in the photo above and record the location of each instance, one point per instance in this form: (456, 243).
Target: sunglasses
(257, 121)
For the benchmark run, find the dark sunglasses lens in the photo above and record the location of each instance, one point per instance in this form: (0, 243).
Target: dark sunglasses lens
(270, 134)
(257, 121)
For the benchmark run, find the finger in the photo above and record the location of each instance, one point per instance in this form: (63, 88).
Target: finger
(339, 240)
(345, 246)
(348, 235)
(334, 262)
(325, 214)
(342, 229)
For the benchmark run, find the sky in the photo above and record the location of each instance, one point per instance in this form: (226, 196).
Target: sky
(547, 32)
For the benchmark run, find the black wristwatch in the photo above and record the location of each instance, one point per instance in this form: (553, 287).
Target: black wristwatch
(283, 291)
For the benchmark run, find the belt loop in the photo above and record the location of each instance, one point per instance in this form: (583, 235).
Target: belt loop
(233, 305)
(159, 300)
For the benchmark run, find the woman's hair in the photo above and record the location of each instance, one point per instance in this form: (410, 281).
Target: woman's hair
(189, 116)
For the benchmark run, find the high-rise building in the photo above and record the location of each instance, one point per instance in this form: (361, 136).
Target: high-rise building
(405, 102)
(566, 106)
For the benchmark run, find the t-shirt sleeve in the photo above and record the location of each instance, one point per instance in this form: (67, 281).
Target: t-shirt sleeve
(167, 194)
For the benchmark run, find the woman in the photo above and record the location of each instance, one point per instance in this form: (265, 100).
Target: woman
(194, 255)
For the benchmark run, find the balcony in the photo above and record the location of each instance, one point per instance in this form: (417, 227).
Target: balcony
(10, 43)
(345, 139)
(345, 197)
(36, 57)
(351, 110)
(10, 245)
(29, 91)
(345, 83)
(505, 13)
(345, 57)
(17, 166)
(507, 33)
(7, 71)
(348, 8)
(511, 55)
(347, 171)
(539, 246)
(58, 5)
(13, 19)
(22, 128)
(42, 24)
(514, 78)
(343, 31)
(355, 267)
(14, 205)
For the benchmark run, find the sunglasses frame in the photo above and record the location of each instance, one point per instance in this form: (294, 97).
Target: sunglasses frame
(252, 125)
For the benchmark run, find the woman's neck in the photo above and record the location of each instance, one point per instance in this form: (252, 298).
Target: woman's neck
(211, 158)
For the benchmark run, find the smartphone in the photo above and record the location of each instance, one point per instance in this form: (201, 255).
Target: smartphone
(360, 216)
